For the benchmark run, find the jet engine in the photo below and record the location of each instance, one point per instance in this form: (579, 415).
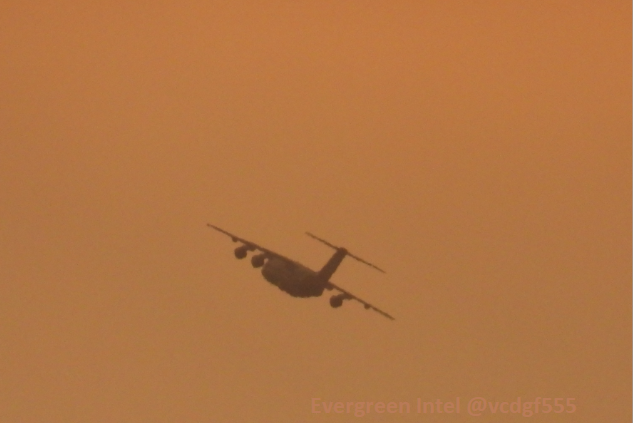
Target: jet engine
(240, 252)
(336, 300)
(258, 260)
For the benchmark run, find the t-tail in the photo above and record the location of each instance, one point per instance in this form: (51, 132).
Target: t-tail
(330, 267)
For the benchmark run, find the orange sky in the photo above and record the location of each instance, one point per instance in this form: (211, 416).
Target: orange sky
(480, 152)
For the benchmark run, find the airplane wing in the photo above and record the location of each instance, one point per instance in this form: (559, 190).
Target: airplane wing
(250, 244)
(350, 296)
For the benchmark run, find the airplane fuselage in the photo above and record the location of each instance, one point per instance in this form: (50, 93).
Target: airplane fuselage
(293, 278)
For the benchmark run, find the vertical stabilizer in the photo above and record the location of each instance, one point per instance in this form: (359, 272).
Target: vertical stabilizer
(330, 267)
(332, 264)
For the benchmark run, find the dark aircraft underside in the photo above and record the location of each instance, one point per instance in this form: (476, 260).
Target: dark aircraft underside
(292, 278)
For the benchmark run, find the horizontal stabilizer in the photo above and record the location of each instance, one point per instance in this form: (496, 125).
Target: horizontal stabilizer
(347, 252)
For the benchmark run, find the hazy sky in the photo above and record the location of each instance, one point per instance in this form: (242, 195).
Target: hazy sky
(480, 152)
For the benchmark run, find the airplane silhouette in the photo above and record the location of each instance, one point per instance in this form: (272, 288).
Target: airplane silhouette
(296, 279)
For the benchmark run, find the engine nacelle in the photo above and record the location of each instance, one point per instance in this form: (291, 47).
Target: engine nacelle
(258, 260)
(336, 300)
(240, 252)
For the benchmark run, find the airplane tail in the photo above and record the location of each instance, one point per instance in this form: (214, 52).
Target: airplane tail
(340, 254)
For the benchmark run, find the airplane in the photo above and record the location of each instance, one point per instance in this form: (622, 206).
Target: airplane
(296, 279)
